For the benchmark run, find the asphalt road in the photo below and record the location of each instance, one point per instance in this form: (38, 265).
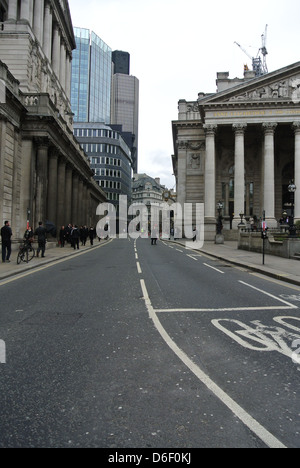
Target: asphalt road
(137, 346)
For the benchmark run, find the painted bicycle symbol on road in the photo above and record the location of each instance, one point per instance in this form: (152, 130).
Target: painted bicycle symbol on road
(265, 338)
(291, 297)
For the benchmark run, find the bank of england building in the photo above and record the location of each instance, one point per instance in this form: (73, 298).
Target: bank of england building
(241, 146)
(44, 173)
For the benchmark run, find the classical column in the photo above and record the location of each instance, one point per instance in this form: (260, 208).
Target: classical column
(38, 20)
(80, 202)
(12, 10)
(297, 170)
(56, 50)
(182, 164)
(239, 173)
(68, 195)
(85, 205)
(26, 11)
(269, 174)
(62, 69)
(68, 76)
(75, 199)
(47, 33)
(61, 193)
(210, 172)
(41, 182)
(52, 186)
(210, 182)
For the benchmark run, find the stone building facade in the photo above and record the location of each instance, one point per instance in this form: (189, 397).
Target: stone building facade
(241, 146)
(44, 173)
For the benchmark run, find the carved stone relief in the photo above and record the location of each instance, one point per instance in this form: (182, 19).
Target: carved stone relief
(285, 89)
(196, 158)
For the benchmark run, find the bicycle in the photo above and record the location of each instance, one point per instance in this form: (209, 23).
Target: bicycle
(26, 253)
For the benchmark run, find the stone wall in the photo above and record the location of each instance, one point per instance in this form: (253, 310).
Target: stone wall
(252, 241)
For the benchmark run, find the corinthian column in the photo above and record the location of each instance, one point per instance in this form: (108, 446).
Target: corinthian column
(41, 182)
(239, 173)
(38, 20)
(269, 174)
(52, 187)
(47, 33)
(56, 50)
(210, 182)
(61, 206)
(12, 10)
(26, 11)
(297, 170)
(210, 172)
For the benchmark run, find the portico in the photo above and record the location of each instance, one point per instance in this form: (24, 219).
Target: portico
(248, 148)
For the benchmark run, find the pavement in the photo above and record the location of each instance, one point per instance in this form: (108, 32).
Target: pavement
(283, 269)
(52, 254)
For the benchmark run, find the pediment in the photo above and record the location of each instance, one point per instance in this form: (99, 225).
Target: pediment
(286, 89)
(282, 85)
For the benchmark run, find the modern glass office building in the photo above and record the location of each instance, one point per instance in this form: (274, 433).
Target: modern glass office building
(91, 78)
(110, 158)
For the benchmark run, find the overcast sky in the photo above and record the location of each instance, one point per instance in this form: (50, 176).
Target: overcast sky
(176, 49)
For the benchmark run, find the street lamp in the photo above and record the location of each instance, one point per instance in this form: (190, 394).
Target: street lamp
(292, 189)
(242, 216)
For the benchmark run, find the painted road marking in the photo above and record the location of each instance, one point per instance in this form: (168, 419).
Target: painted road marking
(213, 268)
(290, 306)
(233, 309)
(261, 432)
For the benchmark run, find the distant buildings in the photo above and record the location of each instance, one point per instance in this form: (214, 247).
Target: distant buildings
(109, 156)
(91, 78)
(147, 190)
(105, 108)
(125, 110)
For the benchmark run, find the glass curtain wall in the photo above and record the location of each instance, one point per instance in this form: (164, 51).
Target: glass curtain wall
(91, 78)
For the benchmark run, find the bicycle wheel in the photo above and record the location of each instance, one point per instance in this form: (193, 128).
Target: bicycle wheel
(20, 257)
(30, 254)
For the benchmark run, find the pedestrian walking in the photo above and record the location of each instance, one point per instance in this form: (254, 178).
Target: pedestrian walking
(154, 236)
(6, 235)
(75, 237)
(41, 234)
(62, 236)
(92, 235)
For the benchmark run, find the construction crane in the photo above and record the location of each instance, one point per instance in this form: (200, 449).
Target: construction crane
(259, 64)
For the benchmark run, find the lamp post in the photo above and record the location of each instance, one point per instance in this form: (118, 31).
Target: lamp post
(242, 216)
(292, 189)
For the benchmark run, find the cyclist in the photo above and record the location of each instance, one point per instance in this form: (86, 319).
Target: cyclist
(28, 237)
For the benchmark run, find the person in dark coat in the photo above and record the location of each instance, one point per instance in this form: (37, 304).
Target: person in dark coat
(62, 236)
(92, 235)
(41, 234)
(6, 235)
(75, 237)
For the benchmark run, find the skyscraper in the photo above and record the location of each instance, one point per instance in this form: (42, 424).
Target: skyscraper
(91, 78)
(125, 109)
(121, 61)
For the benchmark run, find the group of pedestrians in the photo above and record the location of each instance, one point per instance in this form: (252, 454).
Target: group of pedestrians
(6, 240)
(70, 234)
(73, 235)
